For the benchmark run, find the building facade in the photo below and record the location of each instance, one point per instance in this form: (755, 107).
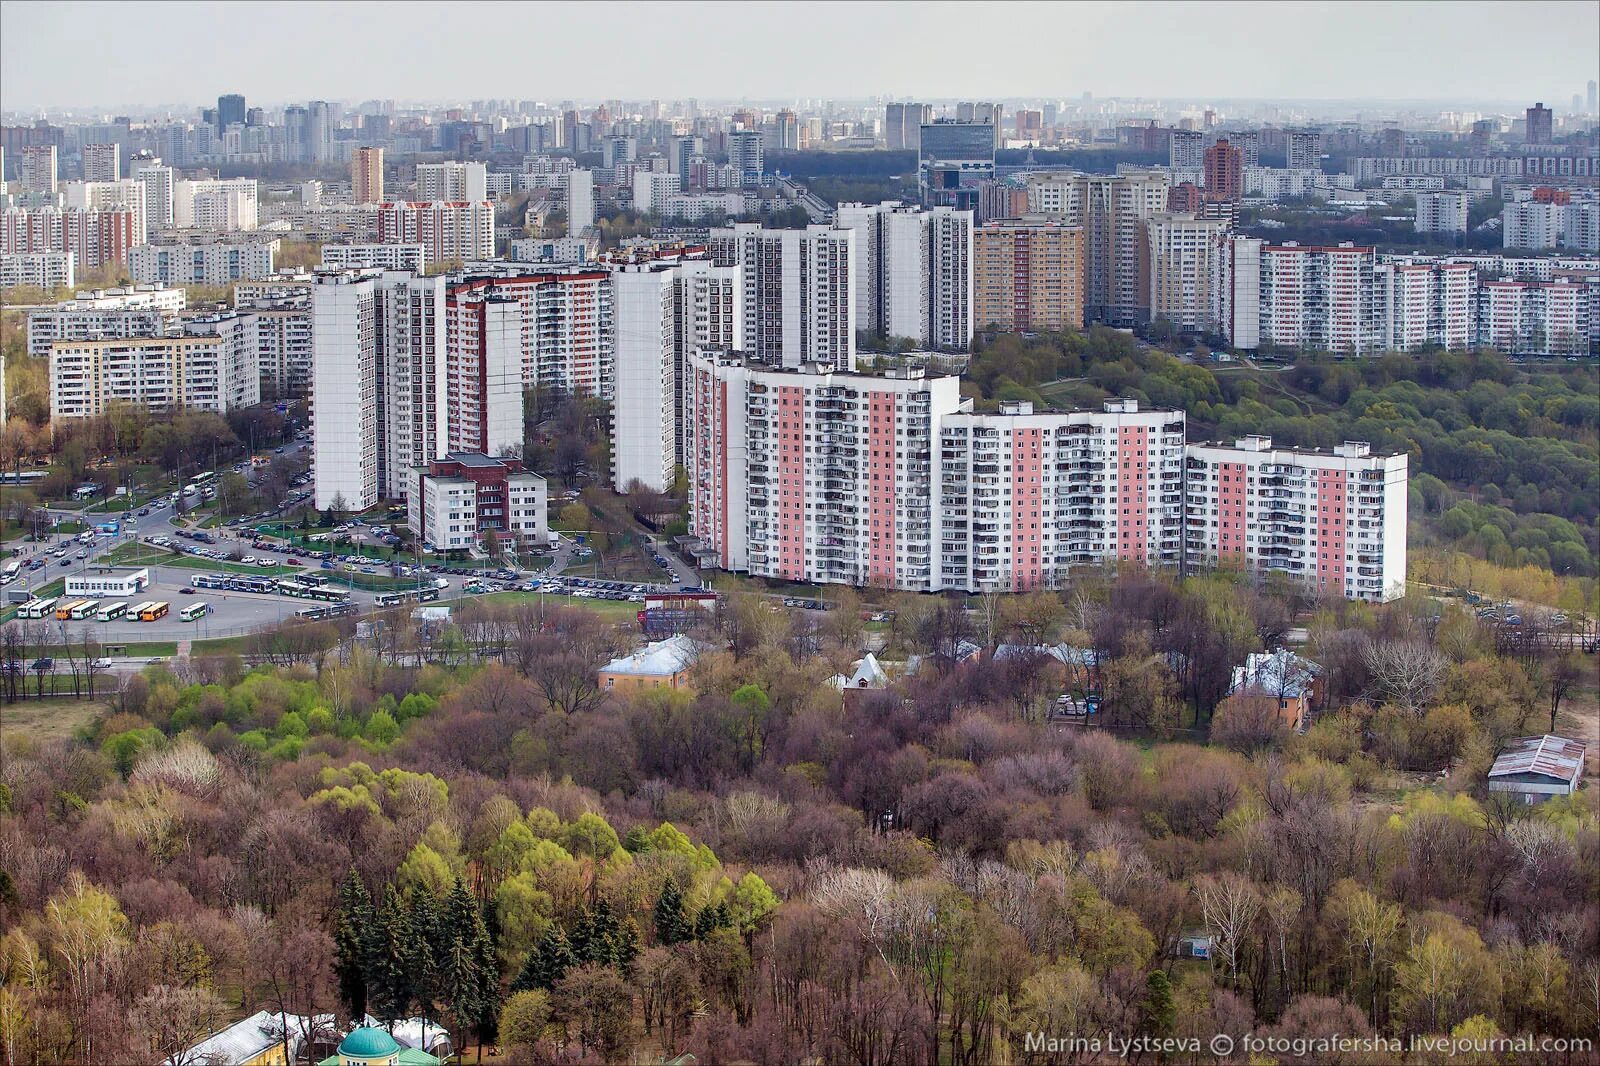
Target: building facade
(202, 262)
(461, 230)
(455, 501)
(1334, 521)
(47, 270)
(366, 176)
(209, 365)
(96, 238)
(798, 291)
(913, 271)
(1028, 275)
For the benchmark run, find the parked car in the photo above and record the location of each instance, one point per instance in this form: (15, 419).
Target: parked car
(186, 591)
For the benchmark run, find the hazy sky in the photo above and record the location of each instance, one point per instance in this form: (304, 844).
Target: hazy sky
(131, 54)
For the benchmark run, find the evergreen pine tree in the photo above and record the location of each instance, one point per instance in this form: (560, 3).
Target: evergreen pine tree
(626, 944)
(389, 984)
(721, 916)
(352, 929)
(672, 924)
(428, 951)
(547, 963)
(705, 922)
(1157, 1011)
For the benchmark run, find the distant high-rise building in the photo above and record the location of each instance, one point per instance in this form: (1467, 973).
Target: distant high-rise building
(454, 182)
(1185, 198)
(1030, 125)
(366, 175)
(1113, 210)
(681, 151)
(1185, 149)
(38, 170)
(786, 131)
(951, 155)
(580, 202)
(1224, 172)
(159, 191)
(1594, 97)
(1392, 142)
(1540, 125)
(1305, 150)
(745, 153)
(1183, 269)
(230, 112)
(319, 131)
(1441, 212)
(102, 162)
(913, 271)
(1248, 142)
(902, 124)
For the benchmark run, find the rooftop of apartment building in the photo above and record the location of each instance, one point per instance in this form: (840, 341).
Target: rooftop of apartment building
(1350, 449)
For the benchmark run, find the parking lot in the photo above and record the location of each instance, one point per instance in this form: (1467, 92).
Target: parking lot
(230, 613)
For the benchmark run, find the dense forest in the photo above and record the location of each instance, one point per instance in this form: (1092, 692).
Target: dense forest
(1505, 464)
(759, 868)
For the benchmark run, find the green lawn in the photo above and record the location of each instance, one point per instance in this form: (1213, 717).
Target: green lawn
(53, 718)
(219, 645)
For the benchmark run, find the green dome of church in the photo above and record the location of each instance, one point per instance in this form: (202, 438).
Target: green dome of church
(368, 1043)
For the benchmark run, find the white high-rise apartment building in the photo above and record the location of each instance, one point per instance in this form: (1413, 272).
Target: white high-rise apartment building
(452, 182)
(1305, 150)
(210, 365)
(378, 382)
(652, 188)
(799, 291)
(666, 311)
(1441, 212)
(215, 204)
(1026, 497)
(1538, 318)
(913, 271)
(1416, 305)
(1335, 521)
(1317, 298)
(102, 162)
(1186, 150)
(108, 195)
(1184, 267)
(643, 409)
(203, 262)
(345, 387)
(117, 314)
(447, 230)
(815, 476)
(580, 202)
(95, 238)
(37, 172)
(159, 193)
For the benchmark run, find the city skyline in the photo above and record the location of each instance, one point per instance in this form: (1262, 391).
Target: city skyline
(1490, 53)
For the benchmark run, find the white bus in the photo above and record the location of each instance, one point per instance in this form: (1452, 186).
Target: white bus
(110, 612)
(41, 608)
(84, 610)
(10, 570)
(193, 611)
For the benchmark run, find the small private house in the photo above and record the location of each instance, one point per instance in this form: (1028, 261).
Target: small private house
(867, 675)
(1537, 768)
(662, 664)
(258, 1040)
(1279, 675)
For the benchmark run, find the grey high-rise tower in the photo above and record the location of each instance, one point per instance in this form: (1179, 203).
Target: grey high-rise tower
(230, 111)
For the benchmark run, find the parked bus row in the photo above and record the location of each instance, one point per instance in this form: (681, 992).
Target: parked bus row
(331, 610)
(298, 589)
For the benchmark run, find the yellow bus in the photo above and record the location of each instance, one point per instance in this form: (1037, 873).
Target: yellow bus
(65, 608)
(153, 611)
